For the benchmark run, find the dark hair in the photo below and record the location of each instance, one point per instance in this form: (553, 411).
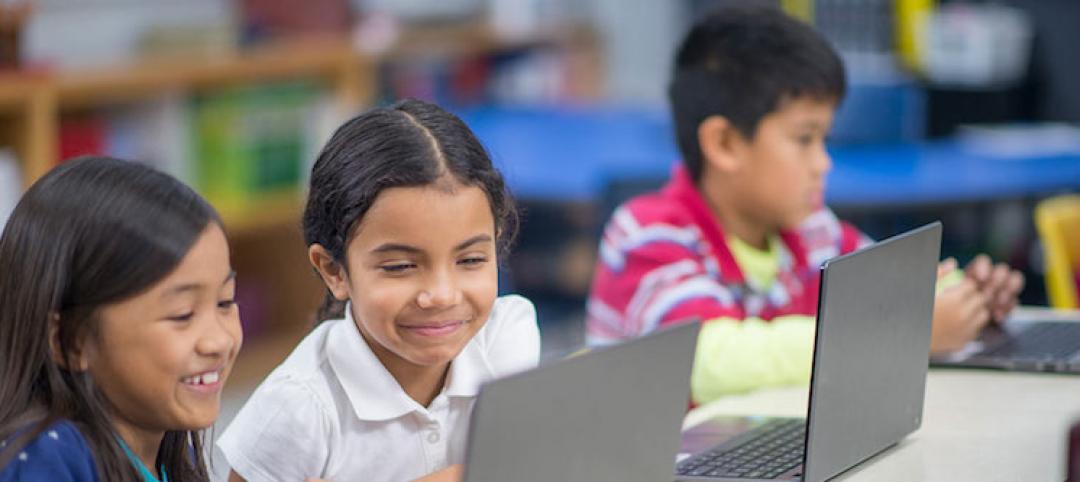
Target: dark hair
(91, 232)
(410, 143)
(742, 62)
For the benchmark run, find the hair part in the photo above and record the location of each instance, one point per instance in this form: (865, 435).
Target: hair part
(91, 232)
(407, 144)
(743, 63)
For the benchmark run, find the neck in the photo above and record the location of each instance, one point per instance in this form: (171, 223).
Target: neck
(420, 382)
(144, 443)
(724, 205)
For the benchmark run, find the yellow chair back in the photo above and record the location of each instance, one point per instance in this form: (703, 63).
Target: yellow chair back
(1058, 222)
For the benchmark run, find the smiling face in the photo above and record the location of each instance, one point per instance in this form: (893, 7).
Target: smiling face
(421, 273)
(162, 357)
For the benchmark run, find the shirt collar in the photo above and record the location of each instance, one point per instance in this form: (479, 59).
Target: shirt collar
(684, 190)
(374, 393)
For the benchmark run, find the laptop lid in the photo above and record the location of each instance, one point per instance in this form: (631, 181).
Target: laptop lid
(611, 414)
(871, 350)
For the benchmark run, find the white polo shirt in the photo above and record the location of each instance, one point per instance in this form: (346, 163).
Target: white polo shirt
(331, 410)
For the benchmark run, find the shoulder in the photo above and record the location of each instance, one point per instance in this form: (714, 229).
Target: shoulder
(285, 400)
(511, 309)
(284, 428)
(303, 362)
(653, 228)
(824, 236)
(652, 208)
(297, 397)
(510, 339)
(58, 453)
(512, 316)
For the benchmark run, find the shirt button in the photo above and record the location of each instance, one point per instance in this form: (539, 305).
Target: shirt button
(433, 437)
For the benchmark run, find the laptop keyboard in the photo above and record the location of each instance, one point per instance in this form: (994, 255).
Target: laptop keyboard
(764, 453)
(1042, 341)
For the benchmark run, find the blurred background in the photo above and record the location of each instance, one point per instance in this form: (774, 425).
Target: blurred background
(964, 111)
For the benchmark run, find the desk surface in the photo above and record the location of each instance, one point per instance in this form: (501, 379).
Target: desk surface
(977, 426)
(570, 154)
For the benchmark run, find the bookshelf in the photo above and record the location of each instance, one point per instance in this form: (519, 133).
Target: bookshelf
(267, 245)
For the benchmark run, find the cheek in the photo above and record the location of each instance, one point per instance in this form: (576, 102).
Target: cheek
(130, 368)
(382, 301)
(482, 287)
(236, 331)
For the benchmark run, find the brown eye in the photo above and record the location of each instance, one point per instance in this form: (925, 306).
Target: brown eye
(397, 268)
(473, 261)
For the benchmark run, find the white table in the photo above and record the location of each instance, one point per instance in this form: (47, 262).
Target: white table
(977, 425)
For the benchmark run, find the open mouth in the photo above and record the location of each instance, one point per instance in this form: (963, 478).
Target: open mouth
(205, 380)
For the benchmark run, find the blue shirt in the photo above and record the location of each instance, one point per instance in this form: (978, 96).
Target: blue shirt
(58, 454)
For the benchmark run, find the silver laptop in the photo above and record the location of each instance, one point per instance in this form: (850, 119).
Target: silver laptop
(868, 380)
(1021, 345)
(612, 414)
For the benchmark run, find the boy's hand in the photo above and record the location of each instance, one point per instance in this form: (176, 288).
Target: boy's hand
(999, 284)
(453, 473)
(960, 311)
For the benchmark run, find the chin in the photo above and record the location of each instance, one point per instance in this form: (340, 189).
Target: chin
(200, 419)
(435, 357)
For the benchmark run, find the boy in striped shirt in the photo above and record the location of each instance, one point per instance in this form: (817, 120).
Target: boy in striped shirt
(737, 235)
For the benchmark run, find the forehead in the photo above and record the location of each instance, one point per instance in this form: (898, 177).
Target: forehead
(802, 110)
(205, 264)
(205, 268)
(426, 216)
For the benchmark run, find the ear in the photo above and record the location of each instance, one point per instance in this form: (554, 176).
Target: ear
(721, 144)
(77, 355)
(332, 272)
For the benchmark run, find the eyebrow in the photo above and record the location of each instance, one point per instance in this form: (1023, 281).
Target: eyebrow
(811, 125)
(388, 247)
(176, 290)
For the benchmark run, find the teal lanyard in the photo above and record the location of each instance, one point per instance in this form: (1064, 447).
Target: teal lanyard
(145, 472)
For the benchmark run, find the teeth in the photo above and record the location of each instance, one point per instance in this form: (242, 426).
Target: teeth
(204, 379)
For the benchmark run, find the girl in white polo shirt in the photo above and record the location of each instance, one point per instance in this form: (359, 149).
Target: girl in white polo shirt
(404, 221)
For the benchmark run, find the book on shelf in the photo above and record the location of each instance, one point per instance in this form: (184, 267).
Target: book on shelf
(154, 132)
(10, 184)
(248, 142)
(533, 75)
(83, 134)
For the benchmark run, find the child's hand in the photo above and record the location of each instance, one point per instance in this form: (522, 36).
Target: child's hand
(452, 473)
(960, 311)
(998, 283)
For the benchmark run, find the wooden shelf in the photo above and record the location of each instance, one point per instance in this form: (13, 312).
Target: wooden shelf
(328, 58)
(36, 100)
(479, 37)
(28, 104)
(18, 88)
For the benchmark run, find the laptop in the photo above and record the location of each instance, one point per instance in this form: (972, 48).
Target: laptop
(867, 382)
(1021, 345)
(612, 414)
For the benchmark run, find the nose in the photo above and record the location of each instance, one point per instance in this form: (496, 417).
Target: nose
(440, 291)
(822, 161)
(221, 335)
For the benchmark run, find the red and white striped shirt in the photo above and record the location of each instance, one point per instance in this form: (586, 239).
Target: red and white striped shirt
(664, 257)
